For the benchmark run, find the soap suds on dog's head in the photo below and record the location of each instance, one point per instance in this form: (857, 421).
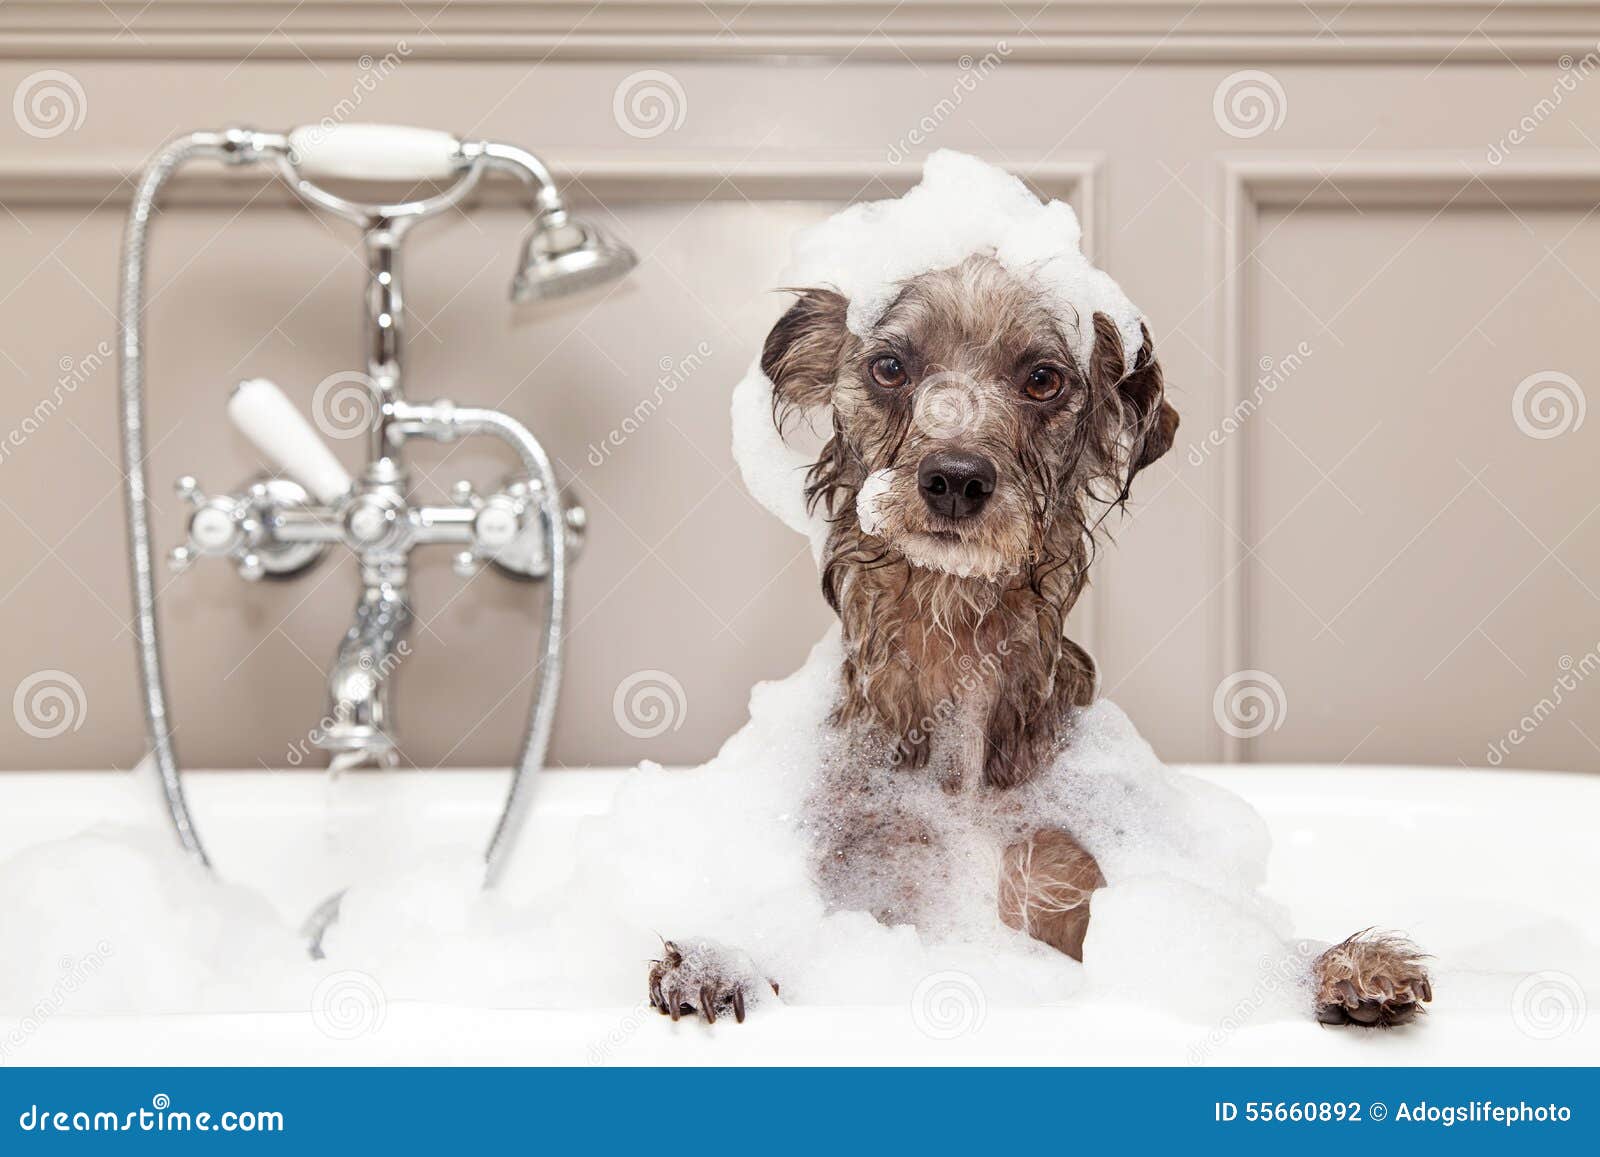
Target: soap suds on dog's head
(963, 206)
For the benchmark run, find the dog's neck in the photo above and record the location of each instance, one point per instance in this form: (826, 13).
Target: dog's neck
(923, 647)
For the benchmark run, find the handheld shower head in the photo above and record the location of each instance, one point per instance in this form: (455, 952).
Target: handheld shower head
(562, 256)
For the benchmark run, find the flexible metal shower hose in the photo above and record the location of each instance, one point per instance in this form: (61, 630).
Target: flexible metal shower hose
(465, 420)
(131, 383)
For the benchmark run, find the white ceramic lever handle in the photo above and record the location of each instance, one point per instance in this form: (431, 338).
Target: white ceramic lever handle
(270, 420)
(374, 152)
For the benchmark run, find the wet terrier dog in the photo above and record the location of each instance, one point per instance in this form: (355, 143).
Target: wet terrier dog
(971, 461)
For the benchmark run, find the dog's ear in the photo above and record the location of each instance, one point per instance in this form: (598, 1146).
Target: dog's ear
(801, 356)
(1149, 423)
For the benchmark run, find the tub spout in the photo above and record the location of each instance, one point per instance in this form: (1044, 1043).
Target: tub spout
(358, 730)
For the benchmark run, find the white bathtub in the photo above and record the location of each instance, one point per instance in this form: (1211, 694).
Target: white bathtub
(1460, 859)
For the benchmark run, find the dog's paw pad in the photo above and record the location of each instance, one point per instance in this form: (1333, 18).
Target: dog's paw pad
(1375, 980)
(700, 978)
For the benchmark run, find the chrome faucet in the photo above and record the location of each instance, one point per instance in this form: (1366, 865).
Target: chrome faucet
(358, 682)
(282, 526)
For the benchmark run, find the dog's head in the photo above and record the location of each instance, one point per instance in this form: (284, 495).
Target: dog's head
(967, 436)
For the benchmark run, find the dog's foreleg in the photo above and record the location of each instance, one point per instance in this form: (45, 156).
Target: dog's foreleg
(701, 978)
(1022, 730)
(1374, 979)
(1046, 883)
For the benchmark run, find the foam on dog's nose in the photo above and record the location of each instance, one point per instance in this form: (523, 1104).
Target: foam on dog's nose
(870, 498)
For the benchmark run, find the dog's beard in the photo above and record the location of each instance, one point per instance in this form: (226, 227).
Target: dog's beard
(879, 513)
(951, 554)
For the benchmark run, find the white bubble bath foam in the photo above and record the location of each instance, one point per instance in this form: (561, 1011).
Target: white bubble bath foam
(115, 948)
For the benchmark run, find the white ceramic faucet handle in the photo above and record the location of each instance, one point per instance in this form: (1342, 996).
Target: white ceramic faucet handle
(275, 427)
(374, 152)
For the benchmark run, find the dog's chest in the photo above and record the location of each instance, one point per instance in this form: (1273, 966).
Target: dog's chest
(908, 844)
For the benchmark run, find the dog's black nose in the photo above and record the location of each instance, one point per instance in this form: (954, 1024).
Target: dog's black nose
(955, 483)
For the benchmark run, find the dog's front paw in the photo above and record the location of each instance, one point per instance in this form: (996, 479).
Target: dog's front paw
(704, 978)
(1372, 979)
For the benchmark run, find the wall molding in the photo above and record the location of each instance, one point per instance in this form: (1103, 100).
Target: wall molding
(93, 186)
(865, 30)
(1424, 181)
(602, 179)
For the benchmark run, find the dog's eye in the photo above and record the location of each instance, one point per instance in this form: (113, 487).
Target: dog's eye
(1044, 383)
(889, 372)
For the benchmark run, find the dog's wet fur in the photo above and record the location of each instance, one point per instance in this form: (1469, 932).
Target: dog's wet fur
(1005, 454)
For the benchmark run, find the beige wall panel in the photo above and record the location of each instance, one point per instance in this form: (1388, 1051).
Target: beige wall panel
(683, 573)
(1426, 547)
